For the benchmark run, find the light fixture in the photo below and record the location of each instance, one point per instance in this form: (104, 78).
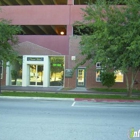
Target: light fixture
(62, 32)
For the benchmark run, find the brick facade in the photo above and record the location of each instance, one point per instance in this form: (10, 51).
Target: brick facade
(67, 45)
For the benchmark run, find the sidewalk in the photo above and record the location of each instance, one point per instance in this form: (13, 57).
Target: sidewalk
(31, 88)
(59, 90)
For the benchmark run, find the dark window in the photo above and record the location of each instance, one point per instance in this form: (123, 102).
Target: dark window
(80, 30)
(44, 29)
(32, 2)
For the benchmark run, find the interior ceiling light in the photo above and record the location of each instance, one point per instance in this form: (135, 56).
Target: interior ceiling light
(62, 32)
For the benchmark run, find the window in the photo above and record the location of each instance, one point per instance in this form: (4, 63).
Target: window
(1, 69)
(98, 68)
(98, 65)
(98, 79)
(119, 76)
(16, 72)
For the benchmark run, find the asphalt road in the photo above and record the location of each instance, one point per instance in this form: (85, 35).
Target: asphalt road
(66, 120)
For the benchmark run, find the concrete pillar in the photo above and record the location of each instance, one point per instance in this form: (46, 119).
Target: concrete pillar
(69, 30)
(46, 72)
(8, 74)
(24, 72)
(70, 2)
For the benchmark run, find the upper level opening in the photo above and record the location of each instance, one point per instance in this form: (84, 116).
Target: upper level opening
(82, 2)
(80, 30)
(32, 2)
(85, 2)
(44, 29)
(49, 2)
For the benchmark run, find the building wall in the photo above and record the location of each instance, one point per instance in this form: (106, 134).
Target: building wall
(37, 15)
(42, 14)
(60, 45)
(91, 72)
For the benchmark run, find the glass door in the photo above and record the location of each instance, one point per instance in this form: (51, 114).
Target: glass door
(80, 77)
(36, 74)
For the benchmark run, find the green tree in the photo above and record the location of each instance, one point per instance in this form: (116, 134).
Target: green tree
(114, 38)
(8, 38)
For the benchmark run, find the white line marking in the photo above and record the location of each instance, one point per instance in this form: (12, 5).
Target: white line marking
(73, 103)
(83, 106)
(95, 105)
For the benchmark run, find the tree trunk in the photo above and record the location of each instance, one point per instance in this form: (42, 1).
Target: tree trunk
(130, 91)
(129, 84)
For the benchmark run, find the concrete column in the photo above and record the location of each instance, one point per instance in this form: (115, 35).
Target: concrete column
(70, 2)
(69, 30)
(8, 74)
(24, 72)
(46, 72)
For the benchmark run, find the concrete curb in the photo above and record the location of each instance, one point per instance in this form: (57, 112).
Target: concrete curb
(37, 98)
(108, 100)
(71, 99)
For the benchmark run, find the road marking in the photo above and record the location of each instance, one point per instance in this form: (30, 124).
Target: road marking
(73, 103)
(107, 105)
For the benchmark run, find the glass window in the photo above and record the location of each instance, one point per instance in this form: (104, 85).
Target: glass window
(16, 73)
(98, 65)
(98, 68)
(119, 76)
(98, 79)
(57, 70)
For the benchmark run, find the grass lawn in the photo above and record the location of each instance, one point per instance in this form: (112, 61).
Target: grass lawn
(68, 95)
(113, 90)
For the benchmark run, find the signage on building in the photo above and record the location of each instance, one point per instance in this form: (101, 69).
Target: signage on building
(68, 73)
(35, 59)
(58, 65)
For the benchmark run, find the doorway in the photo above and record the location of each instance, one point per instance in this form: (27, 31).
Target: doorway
(80, 77)
(36, 74)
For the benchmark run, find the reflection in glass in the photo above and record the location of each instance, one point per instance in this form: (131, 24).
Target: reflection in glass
(81, 75)
(16, 73)
(36, 74)
(119, 76)
(57, 70)
(98, 78)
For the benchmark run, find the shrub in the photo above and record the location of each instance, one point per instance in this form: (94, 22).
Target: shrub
(108, 79)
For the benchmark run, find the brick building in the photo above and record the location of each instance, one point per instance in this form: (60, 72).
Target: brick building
(48, 48)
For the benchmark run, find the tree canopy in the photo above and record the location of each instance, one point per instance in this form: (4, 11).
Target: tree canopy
(8, 38)
(114, 38)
